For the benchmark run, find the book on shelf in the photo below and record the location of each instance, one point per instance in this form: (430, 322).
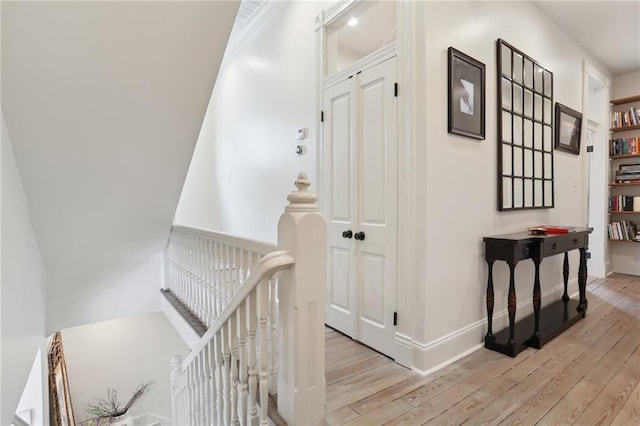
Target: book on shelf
(623, 176)
(629, 168)
(623, 230)
(621, 203)
(622, 146)
(621, 119)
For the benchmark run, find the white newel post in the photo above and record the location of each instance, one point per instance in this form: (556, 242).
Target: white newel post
(301, 384)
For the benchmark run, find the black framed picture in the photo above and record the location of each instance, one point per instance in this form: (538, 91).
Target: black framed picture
(466, 77)
(568, 129)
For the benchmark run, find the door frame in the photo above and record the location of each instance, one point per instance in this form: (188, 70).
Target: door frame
(406, 265)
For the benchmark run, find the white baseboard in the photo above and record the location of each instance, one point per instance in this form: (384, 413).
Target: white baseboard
(432, 356)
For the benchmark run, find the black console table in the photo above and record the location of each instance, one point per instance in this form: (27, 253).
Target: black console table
(548, 322)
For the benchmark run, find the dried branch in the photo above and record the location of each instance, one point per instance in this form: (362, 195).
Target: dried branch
(110, 407)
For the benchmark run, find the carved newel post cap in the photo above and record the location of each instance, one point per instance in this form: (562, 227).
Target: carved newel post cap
(302, 200)
(176, 362)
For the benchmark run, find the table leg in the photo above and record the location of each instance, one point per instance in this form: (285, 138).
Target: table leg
(565, 275)
(511, 303)
(537, 298)
(582, 281)
(490, 299)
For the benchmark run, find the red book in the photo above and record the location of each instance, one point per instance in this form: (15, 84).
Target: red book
(546, 229)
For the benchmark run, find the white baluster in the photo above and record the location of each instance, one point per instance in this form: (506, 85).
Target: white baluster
(233, 346)
(263, 313)
(218, 279)
(211, 298)
(218, 376)
(273, 341)
(199, 397)
(206, 385)
(243, 385)
(211, 384)
(228, 290)
(226, 376)
(253, 372)
(191, 396)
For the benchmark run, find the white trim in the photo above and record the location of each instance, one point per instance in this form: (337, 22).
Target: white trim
(592, 123)
(184, 329)
(406, 281)
(594, 72)
(335, 11)
(608, 267)
(449, 361)
(403, 349)
(375, 58)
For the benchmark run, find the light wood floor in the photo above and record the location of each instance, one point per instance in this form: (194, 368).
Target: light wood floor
(588, 375)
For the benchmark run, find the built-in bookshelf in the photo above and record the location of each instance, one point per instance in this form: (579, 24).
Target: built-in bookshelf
(624, 185)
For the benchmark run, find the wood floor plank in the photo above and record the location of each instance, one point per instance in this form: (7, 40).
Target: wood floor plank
(570, 406)
(532, 410)
(505, 386)
(590, 374)
(629, 414)
(382, 415)
(609, 402)
(389, 395)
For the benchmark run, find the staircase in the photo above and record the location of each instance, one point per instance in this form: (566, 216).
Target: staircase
(262, 306)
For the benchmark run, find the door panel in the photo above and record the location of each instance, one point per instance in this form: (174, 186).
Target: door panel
(377, 207)
(339, 283)
(373, 294)
(339, 176)
(372, 113)
(341, 157)
(359, 170)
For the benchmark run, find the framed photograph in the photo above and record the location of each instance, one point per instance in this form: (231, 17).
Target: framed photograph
(466, 78)
(568, 129)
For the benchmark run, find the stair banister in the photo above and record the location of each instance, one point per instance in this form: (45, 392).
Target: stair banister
(232, 368)
(272, 262)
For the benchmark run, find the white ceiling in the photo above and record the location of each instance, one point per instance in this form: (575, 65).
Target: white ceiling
(608, 30)
(104, 102)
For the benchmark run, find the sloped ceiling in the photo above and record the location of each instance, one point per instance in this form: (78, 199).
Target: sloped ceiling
(104, 102)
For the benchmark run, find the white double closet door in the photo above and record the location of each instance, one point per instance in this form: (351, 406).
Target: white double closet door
(360, 183)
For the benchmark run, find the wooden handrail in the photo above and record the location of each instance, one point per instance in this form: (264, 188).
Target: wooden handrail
(267, 266)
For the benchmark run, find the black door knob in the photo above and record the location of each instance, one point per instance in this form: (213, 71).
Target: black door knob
(359, 236)
(347, 234)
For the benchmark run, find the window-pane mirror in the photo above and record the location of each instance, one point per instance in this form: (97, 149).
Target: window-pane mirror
(525, 129)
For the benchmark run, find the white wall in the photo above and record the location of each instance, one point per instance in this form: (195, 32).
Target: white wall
(460, 211)
(122, 354)
(103, 290)
(626, 85)
(36, 391)
(244, 161)
(22, 285)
